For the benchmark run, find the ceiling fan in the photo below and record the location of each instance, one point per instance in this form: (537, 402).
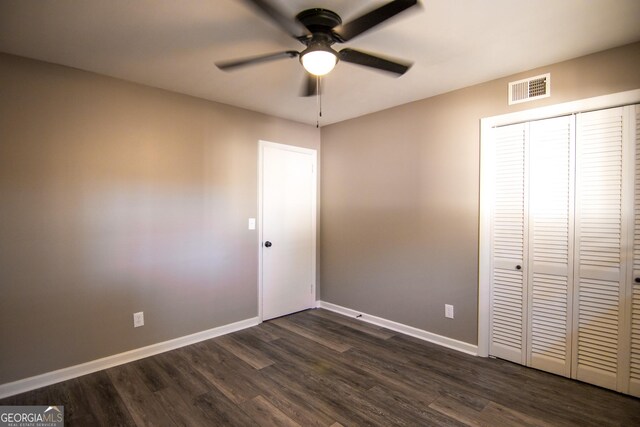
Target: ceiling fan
(319, 29)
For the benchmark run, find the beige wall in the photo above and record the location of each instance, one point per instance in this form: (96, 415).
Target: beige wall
(116, 198)
(400, 195)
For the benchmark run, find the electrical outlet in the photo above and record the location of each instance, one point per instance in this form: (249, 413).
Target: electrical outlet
(138, 319)
(448, 311)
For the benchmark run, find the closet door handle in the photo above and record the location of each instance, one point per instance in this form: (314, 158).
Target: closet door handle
(518, 267)
(637, 279)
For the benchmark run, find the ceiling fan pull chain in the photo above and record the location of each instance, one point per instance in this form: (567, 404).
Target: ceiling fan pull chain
(318, 101)
(320, 93)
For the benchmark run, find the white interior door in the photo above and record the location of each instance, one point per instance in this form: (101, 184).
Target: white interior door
(601, 221)
(560, 199)
(288, 229)
(509, 246)
(550, 264)
(532, 244)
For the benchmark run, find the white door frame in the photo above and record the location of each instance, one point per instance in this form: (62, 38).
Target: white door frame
(486, 189)
(314, 200)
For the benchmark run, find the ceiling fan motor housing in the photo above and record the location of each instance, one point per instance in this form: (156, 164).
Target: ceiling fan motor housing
(319, 21)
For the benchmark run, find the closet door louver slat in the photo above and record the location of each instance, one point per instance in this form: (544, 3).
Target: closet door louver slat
(508, 246)
(551, 244)
(599, 255)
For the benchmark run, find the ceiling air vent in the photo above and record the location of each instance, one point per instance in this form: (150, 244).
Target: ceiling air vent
(529, 89)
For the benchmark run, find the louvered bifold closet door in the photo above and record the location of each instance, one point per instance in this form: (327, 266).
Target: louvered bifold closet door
(601, 241)
(634, 374)
(508, 245)
(550, 266)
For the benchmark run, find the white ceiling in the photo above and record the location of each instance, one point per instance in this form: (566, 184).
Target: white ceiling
(173, 44)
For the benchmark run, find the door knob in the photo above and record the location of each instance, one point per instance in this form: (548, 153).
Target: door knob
(637, 279)
(267, 244)
(518, 267)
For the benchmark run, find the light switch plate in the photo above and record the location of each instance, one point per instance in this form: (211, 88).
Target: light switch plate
(252, 223)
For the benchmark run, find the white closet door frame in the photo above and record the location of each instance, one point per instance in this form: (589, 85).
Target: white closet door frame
(486, 186)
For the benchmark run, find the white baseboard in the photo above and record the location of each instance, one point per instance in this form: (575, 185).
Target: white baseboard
(402, 328)
(32, 383)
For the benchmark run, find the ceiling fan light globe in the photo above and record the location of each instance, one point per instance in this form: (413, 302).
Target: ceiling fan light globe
(319, 62)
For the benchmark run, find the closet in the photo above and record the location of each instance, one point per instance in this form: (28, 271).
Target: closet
(565, 246)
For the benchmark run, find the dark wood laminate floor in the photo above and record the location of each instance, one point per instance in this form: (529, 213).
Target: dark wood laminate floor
(319, 368)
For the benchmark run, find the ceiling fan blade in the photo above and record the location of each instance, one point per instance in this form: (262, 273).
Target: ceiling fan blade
(310, 87)
(285, 23)
(369, 20)
(230, 65)
(361, 58)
